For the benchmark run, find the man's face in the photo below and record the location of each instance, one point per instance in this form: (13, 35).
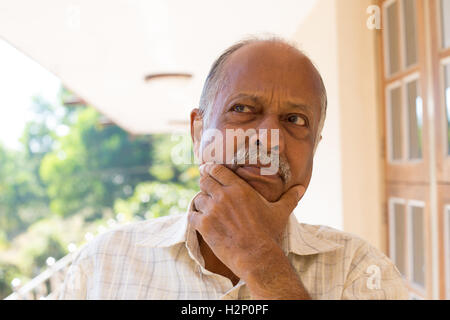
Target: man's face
(268, 86)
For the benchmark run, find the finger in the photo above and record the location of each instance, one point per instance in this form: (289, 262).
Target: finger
(290, 198)
(201, 202)
(194, 219)
(209, 185)
(221, 174)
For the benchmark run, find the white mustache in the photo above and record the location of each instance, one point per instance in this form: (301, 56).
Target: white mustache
(244, 156)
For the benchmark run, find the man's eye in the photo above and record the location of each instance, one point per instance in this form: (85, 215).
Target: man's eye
(296, 119)
(241, 108)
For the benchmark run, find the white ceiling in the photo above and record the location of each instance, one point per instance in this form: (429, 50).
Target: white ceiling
(102, 50)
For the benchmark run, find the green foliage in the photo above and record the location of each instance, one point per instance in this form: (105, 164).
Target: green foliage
(165, 167)
(175, 186)
(44, 238)
(154, 199)
(4, 243)
(22, 199)
(7, 273)
(53, 247)
(94, 163)
(23, 196)
(72, 176)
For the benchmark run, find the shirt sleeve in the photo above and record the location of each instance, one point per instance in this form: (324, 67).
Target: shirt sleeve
(75, 281)
(372, 275)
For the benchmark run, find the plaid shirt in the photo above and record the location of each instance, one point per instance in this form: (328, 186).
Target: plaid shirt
(161, 259)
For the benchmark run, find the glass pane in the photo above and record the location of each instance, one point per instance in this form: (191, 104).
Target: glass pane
(393, 43)
(399, 240)
(447, 104)
(396, 123)
(415, 120)
(445, 18)
(418, 246)
(409, 13)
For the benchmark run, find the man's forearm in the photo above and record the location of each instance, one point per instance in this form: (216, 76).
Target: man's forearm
(274, 278)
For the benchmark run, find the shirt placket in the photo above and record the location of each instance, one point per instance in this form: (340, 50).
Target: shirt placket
(234, 292)
(217, 280)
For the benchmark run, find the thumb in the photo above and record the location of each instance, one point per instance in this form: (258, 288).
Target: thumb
(290, 198)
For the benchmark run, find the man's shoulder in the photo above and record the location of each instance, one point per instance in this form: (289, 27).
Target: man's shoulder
(351, 244)
(332, 234)
(370, 273)
(363, 259)
(129, 234)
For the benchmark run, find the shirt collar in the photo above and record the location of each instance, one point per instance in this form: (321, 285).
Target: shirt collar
(297, 237)
(166, 232)
(300, 240)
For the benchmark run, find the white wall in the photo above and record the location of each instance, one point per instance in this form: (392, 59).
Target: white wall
(346, 190)
(361, 124)
(322, 203)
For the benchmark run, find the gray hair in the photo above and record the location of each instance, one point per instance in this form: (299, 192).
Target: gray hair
(212, 85)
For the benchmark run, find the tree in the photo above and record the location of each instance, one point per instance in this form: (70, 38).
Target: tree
(93, 164)
(22, 199)
(174, 187)
(71, 175)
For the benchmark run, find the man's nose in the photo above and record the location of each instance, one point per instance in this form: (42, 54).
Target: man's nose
(270, 135)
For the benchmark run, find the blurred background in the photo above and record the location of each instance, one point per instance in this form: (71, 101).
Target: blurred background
(96, 95)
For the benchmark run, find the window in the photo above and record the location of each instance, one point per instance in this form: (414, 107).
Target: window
(405, 119)
(440, 15)
(441, 62)
(447, 103)
(445, 23)
(407, 246)
(393, 47)
(398, 234)
(395, 124)
(415, 119)
(415, 79)
(417, 244)
(410, 32)
(400, 21)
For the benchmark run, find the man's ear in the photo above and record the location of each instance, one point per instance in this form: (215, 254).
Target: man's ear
(196, 130)
(315, 147)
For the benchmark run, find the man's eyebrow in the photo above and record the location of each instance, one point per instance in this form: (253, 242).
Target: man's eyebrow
(260, 100)
(242, 95)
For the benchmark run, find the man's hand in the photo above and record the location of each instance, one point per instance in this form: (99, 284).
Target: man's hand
(244, 231)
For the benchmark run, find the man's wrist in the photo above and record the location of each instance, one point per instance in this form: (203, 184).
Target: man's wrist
(273, 277)
(258, 258)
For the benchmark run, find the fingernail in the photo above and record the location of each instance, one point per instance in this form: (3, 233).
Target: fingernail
(301, 190)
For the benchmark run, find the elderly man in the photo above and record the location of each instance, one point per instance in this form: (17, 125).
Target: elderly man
(239, 238)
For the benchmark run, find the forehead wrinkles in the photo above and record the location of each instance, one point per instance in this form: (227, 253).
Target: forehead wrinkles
(274, 93)
(275, 82)
(271, 87)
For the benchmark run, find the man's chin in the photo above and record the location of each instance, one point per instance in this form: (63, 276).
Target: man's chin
(270, 187)
(271, 194)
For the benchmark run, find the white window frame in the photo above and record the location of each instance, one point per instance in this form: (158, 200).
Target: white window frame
(440, 34)
(405, 81)
(410, 265)
(392, 86)
(405, 119)
(387, 65)
(444, 63)
(392, 254)
(403, 36)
